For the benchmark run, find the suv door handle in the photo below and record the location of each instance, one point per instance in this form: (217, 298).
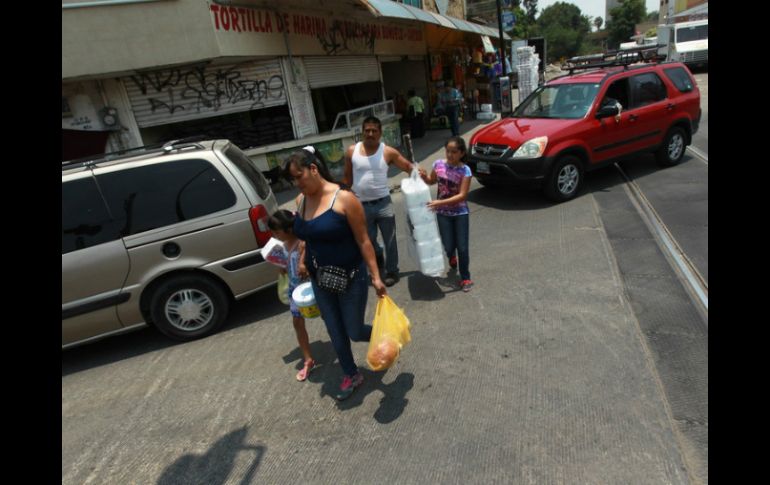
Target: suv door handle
(632, 118)
(670, 106)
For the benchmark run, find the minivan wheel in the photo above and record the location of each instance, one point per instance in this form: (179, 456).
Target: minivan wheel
(671, 151)
(189, 307)
(565, 180)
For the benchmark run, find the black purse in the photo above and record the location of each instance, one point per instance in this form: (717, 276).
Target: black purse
(333, 278)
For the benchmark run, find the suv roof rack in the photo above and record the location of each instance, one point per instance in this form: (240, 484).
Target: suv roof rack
(622, 57)
(166, 147)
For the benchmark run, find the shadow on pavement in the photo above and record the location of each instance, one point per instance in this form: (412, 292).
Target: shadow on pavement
(259, 306)
(215, 466)
(329, 374)
(509, 198)
(423, 288)
(322, 352)
(393, 401)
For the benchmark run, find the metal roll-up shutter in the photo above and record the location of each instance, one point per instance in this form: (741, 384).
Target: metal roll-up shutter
(193, 92)
(328, 71)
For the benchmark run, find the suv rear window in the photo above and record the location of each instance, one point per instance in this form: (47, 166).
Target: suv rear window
(680, 78)
(161, 194)
(249, 170)
(85, 221)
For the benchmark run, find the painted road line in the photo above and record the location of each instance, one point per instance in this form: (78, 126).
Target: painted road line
(703, 156)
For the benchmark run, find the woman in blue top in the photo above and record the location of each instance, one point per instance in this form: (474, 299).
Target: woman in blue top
(454, 181)
(332, 224)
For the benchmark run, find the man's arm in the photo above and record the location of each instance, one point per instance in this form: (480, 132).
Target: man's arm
(347, 175)
(393, 156)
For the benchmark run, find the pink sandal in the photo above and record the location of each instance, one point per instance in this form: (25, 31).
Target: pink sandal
(305, 371)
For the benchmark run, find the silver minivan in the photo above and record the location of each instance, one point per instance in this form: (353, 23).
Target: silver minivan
(168, 236)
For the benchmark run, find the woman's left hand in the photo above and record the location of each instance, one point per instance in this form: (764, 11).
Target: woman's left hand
(433, 204)
(379, 287)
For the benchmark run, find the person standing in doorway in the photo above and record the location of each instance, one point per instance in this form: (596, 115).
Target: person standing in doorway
(415, 108)
(366, 173)
(450, 99)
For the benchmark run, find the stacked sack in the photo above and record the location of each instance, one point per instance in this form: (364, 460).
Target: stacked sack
(424, 240)
(527, 70)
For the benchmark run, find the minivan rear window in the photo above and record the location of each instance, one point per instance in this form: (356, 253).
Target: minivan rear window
(162, 194)
(247, 167)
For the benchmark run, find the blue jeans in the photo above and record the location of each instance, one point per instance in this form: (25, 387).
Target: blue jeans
(343, 314)
(454, 235)
(453, 113)
(381, 215)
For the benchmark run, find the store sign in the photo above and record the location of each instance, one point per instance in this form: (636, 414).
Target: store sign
(311, 34)
(508, 20)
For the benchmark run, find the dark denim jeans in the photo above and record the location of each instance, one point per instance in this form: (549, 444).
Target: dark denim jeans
(453, 113)
(343, 315)
(380, 215)
(454, 235)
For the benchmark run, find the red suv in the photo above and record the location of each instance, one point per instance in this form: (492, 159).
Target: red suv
(579, 122)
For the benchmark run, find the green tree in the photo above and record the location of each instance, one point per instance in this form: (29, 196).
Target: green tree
(531, 7)
(523, 27)
(564, 27)
(598, 21)
(622, 25)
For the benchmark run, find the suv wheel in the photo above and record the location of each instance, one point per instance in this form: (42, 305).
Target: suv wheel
(189, 307)
(565, 180)
(671, 151)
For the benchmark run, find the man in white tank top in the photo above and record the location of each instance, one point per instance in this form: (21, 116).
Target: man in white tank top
(366, 173)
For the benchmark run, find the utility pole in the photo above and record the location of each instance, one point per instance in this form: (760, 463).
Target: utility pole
(502, 39)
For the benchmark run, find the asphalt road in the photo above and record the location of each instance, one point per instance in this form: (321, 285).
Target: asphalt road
(679, 195)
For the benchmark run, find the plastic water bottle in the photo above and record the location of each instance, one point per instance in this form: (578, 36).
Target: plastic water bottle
(424, 239)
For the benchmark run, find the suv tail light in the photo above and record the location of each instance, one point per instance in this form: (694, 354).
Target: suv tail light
(258, 216)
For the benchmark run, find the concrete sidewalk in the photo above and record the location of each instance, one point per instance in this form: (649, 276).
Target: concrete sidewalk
(539, 375)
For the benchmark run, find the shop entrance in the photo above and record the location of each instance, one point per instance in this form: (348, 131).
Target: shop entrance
(329, 101)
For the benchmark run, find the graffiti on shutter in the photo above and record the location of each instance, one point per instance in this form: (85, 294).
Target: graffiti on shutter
(200, 91)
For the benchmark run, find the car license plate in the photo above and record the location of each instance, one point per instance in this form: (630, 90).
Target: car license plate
(482, 167)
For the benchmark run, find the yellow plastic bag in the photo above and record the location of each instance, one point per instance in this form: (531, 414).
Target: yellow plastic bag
(390, 332)
(283, 288)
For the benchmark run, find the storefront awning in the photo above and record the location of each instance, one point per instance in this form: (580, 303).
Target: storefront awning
(387, 8)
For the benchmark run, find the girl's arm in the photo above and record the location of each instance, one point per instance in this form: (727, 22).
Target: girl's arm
(429, 179)
(354, 212)
(301, 269)
(465, 186)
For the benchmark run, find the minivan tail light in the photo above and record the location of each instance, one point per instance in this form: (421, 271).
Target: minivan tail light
(258, 216)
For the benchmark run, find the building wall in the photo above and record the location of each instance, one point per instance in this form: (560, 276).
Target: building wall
(455, 8)
(120, 38)
(484, 9)
(124, 38)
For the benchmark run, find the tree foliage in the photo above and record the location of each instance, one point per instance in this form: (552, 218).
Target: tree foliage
(564, 27)
(598, 21)
(531, 8)
(523, 27)
(622, 25)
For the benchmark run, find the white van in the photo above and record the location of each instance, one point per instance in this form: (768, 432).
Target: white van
(686, 42)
